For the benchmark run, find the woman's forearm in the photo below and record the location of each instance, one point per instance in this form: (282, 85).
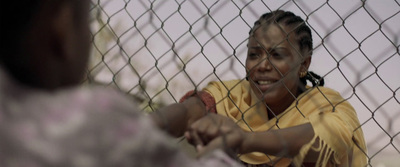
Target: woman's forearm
(283, 142)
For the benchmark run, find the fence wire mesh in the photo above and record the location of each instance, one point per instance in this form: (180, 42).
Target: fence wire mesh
(157, 50)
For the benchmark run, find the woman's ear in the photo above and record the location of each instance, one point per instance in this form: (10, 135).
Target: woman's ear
(306, 63)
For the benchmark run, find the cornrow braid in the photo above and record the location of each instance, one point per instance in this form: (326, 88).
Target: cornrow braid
(300, 29)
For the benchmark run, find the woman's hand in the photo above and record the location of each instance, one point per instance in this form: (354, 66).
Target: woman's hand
(214, 131)
(176, 118)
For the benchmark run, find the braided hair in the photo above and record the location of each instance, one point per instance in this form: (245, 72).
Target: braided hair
(302, 36)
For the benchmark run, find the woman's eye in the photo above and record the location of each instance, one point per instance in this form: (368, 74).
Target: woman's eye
(277, 55)
(253, 55)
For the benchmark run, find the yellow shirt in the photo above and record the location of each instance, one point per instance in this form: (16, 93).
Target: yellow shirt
(333, 119)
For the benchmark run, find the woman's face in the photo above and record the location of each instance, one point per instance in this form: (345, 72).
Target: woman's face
(273, 64)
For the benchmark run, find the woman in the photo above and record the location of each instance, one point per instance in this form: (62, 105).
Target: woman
(273, 118)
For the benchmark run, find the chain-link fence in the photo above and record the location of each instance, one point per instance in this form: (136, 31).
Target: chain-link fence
(157, 50)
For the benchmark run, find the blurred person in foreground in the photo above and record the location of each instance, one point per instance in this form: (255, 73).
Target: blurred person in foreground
(47, 120)
(272, 118)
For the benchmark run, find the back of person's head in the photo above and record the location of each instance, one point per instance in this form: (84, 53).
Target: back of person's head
(45, 43)
(15, 18)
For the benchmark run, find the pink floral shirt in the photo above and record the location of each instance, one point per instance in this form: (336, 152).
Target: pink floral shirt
(84, 127)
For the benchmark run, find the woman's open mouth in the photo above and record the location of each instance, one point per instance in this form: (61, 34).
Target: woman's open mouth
(264, 85)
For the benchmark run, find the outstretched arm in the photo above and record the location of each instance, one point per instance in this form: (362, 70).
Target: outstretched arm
(282, 142)
(175, 118)
(214, 131)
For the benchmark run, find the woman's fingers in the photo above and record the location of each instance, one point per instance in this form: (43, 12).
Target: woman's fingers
(202, 131)
(214, 132)
(229, 142)
(193, 138)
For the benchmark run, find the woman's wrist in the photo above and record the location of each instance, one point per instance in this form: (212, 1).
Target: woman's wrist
(247, 143)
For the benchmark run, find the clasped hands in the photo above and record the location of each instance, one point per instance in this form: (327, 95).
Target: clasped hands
(214, 131)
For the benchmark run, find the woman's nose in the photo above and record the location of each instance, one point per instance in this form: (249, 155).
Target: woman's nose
(264, 64)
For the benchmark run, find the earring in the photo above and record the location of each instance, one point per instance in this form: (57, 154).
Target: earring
(303, 74)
